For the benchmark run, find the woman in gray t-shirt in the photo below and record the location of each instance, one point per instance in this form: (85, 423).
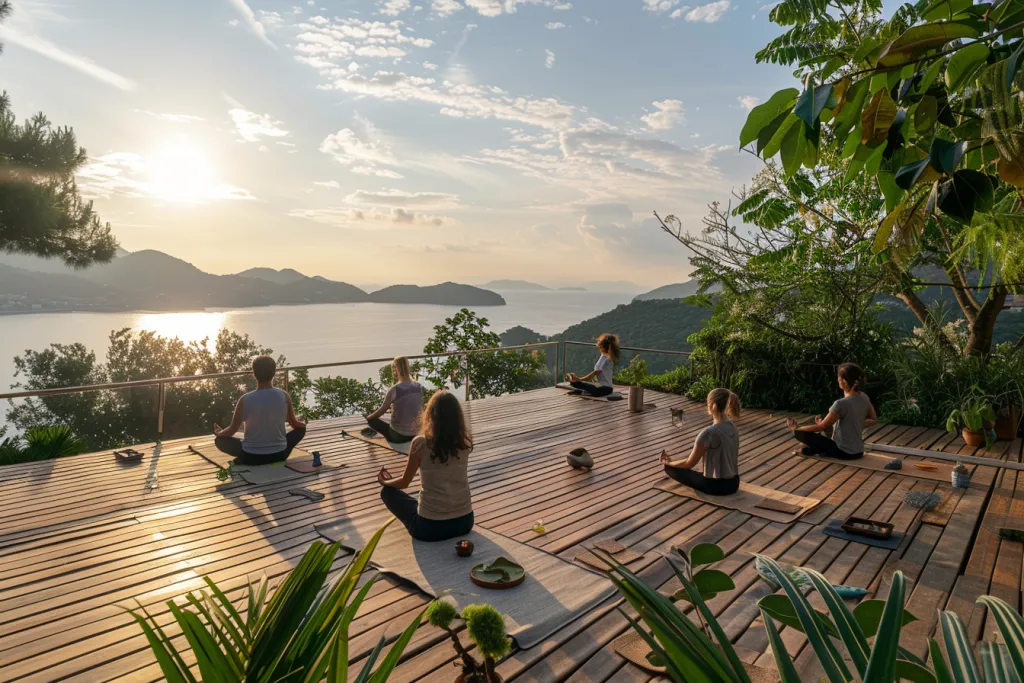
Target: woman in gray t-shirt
(404, 400)
(718, 446)
(847, 417)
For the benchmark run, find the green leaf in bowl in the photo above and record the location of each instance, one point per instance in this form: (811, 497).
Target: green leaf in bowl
(501, 570)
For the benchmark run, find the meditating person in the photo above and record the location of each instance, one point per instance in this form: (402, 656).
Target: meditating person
(264, 412)
(718, 446)
(440, 453)
(608, 345)
(404, 400)
(847, 418)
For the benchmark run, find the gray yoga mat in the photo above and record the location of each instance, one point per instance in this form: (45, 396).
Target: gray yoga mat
(380, 442)
(614, 396)
(834, 528)
(554, 593)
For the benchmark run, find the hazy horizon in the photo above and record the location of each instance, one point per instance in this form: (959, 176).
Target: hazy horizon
(445, 139)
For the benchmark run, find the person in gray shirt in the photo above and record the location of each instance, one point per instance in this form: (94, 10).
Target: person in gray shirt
(718, 446)
(847, 418)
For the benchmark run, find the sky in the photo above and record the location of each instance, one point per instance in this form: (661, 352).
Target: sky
(401, 141)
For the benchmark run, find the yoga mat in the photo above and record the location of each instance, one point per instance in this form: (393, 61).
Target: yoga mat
(380, 442)
(614, 396)
(211, 454)
(554, 593)
(298, 465)
(633, 648)
(876, 462)
(834, 528)
(303, 462)
(746, 500)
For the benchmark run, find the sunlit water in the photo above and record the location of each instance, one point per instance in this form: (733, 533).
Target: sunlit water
(306, 335)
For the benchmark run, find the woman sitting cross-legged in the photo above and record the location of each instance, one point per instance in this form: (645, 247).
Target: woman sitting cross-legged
(608, 345)
(441, 455)
(850, 415)
(404, 400)
(718, 446)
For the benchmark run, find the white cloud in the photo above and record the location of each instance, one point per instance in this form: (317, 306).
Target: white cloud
(459, 100)
(251, 21)
(549, 59)
(404, 200)
(658, 6)
(125, 174)
(393, 8)
(252, 126)
(174, 118)
(447, 7)
(379, 172)
(371, 219)
(24, 37)
(333, 184)
(748, 102)
(493, 8)
(709, 13)
(668, 114)
(430, 66)
(554, 25)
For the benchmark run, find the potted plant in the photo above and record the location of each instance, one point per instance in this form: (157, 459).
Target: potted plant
(1007, 421)
(634, 374)
(974, 419)
(486, 628)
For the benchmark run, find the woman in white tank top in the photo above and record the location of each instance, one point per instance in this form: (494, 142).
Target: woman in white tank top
(441, 455)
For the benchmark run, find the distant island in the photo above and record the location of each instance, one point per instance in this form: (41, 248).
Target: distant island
(516, 286)
(154, 281)
(680, 290)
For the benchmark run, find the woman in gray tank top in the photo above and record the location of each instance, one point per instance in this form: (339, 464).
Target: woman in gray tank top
(441, 456)
(718, 446)
(847, 418)
(404, 400)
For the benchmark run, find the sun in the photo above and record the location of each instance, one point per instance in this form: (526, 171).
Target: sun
(181, 173)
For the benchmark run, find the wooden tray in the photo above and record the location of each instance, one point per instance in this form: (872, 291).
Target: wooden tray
(879, 530)
(128, 455)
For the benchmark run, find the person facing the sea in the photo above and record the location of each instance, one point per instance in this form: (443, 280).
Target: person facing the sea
(849, 415)
(404, 400)
(264, 412)
(608, 346)
(440, 453)
(718, 446)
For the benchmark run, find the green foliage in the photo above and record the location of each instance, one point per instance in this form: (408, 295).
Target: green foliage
(707, 582)
(299, 634)
(441, 613)
(109, 419)
(690, 652)
(486, 627)
(974, 414)
(41, 210)
(41, 443)
(490, 374)
(675, 381)
(635, 373)
(327, 397)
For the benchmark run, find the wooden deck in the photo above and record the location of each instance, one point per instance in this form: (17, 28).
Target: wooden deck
(83, 536)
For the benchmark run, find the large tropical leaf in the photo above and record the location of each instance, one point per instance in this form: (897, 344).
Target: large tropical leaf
(764, 114)
(917, 41)
(877, 117)
(1011, 627)
(882, 664)
(962, 666)
(964, 64)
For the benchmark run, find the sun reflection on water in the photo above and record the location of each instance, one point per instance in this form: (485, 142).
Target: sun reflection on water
(188, 327)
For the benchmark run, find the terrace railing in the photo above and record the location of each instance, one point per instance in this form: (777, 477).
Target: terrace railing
(162, 383)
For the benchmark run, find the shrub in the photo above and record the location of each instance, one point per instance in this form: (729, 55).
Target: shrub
(41, 443)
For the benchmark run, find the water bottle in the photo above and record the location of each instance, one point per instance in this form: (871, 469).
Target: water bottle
(316, 459)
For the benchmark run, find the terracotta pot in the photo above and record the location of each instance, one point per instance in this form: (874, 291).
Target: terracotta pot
(1007, 422)
(636, 399)
(973, 439)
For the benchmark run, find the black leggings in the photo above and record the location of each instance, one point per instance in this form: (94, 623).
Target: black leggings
(698, 482)
(384, 429)
(822, 445)
(233, 446)
(598, 390)
(404, 507)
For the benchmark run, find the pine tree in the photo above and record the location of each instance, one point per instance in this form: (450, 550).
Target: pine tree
(41, 210)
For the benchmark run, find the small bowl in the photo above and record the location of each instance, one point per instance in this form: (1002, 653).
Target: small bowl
(464, 548)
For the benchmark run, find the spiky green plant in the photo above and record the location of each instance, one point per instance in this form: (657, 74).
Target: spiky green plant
(299, 635)
(486, 628)
(41, 443)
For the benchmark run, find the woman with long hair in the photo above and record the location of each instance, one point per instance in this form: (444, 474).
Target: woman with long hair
(440, 453)
(404, 400)
(847, 418)
(718, 446)
(608, 346)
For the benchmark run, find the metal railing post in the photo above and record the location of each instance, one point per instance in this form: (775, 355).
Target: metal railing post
(565, 368)
(465, 358)
(161, 403)
(285, 382)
